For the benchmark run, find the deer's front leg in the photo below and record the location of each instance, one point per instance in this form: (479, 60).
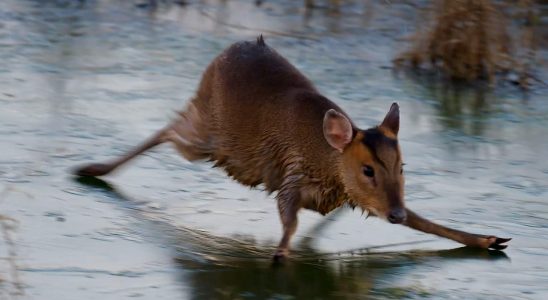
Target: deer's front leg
(469, 239)
(288, 205)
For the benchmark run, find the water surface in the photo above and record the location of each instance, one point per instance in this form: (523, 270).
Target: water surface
(85, 81)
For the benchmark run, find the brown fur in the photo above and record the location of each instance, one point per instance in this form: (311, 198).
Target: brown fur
(263, 122)
(252, 82)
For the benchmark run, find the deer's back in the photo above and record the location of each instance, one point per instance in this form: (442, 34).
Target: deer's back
(264, 117)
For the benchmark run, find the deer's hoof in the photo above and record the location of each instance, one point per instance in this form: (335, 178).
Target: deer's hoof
(496, 243)
(92, 170)
(280, 256)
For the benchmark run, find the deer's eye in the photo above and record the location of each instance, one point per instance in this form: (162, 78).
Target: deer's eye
(368, 171)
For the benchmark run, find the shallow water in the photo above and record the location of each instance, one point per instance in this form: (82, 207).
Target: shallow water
(84, 81)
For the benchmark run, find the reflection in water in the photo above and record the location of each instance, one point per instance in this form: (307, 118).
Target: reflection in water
(229, 275)
(461, 106)
(330, 18)
(216, 267)
(308, 278)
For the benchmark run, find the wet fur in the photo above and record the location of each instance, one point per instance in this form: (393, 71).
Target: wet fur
(249, 82)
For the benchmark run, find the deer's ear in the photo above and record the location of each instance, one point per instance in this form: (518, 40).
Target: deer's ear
(391, 121)
(337, 129)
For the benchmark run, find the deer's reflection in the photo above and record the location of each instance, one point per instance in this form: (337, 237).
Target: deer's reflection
(216, 267)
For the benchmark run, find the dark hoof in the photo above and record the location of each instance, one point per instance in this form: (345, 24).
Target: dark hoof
(497, 243)
(279, 257)
(92, 170)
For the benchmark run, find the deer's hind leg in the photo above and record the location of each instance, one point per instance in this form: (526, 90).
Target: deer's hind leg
(189, 135)
(185, 132)
(100, 169)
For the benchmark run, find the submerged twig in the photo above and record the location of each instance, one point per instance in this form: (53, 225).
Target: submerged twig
(7, 225)
(258, 30)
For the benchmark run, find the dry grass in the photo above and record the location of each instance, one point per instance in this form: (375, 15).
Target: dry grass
(470, 40)
(10, 284)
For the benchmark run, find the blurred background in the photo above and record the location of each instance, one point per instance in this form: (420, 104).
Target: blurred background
(85, 80)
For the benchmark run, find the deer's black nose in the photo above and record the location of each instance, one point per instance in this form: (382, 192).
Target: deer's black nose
(397, 216)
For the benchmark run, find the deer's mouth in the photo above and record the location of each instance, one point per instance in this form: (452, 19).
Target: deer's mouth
(397, 215)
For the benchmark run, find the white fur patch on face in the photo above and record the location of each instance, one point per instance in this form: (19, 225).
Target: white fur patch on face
(375, 213)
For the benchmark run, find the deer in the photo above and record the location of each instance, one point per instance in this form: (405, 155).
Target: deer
(261, 120)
